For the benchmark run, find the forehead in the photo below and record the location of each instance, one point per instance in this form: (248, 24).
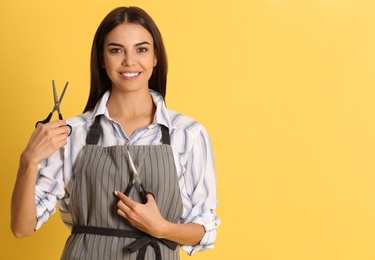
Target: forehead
(129, 33)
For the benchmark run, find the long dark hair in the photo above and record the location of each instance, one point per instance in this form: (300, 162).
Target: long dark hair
(100, 81)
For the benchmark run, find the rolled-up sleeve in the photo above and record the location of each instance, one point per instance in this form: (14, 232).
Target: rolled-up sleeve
(49, 187)
(199, 188)
(210, 222)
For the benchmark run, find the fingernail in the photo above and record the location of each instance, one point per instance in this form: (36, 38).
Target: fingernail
(115, 192)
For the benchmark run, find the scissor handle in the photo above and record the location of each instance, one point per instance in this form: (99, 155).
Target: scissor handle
(45, 121)
(68, 126)
(128, 188)
(70, 129)
(144, 196)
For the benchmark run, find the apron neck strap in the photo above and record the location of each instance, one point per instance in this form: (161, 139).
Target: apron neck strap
(165, 137)
(96, 131)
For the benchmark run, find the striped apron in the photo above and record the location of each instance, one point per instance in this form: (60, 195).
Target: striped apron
(98, 231)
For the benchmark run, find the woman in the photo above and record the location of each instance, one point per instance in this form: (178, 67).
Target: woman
(125, 122)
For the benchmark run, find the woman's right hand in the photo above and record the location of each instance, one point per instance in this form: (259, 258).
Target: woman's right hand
(45, 140)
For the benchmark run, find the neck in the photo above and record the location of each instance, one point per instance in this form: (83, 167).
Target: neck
(131, 110)
(130, 104)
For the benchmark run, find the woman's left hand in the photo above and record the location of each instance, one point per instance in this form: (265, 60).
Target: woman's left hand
(145, 217)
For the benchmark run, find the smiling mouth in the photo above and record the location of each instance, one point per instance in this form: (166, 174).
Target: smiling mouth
(130, 74)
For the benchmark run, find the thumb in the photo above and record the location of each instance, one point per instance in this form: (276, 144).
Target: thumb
(150, 198)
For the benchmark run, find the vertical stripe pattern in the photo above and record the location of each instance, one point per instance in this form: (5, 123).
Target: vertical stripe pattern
(93, 203)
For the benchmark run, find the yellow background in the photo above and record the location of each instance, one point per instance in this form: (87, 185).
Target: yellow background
(284, 87)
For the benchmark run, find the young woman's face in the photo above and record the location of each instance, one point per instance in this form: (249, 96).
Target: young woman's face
(129, 57)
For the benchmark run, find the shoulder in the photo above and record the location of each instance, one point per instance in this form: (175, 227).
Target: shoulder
(185, 125)
(81, 120)
(187, 136)
(80, 125)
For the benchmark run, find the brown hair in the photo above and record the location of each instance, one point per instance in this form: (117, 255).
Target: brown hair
(100, 81)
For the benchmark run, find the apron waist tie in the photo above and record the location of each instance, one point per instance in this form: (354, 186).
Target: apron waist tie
(141, 244)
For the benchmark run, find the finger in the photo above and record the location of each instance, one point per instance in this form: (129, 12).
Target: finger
(59, 124)
(53, 128)
(122, 209)
(54, 124)
(121, 213)
(121, 205)
(150, 198)
(123, 198)
(48, 138)
(119, 194)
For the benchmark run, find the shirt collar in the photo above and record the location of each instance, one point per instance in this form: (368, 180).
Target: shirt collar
(161, 114)
(101, 106)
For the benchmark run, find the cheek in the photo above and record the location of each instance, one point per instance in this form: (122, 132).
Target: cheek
(109, 62)
(148, 63)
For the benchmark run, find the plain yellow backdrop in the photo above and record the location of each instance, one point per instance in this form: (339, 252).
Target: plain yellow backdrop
(284, 87)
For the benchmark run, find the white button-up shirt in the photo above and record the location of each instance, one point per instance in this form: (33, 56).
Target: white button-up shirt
(192, 155)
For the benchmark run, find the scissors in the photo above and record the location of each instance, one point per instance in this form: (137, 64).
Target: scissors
(56, 107)
(137, 179)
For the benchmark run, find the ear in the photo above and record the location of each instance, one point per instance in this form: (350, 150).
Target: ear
(155, 58)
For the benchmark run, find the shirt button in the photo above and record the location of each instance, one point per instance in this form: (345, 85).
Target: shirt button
(126, 143)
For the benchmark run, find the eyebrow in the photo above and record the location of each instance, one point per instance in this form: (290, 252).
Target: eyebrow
(120, 45)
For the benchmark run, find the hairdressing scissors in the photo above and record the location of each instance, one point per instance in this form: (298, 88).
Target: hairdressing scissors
(137, 179)
(56, 107)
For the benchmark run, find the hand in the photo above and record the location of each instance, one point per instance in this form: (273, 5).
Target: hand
(45, 140)
(145, 217)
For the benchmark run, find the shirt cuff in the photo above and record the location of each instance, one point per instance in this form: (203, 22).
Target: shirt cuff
(207, 242)
(43, 213)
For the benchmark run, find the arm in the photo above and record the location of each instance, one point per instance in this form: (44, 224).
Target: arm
(198, 187)
(45, 140)
(147, 218)
(23, 209)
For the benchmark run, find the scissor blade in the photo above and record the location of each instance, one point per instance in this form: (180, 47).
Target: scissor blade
(132, 163)
(62, 94)
(136, 175)
(55, 99)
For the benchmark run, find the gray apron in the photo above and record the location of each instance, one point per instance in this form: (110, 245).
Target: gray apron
(98, 231)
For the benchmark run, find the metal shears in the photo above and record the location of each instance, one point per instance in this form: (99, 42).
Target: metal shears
(56, 107)
(137, 179)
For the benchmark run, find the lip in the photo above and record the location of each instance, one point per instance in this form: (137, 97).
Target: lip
(130, 74)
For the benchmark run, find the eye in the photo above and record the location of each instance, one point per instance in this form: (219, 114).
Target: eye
(116, 50)
(142, 49)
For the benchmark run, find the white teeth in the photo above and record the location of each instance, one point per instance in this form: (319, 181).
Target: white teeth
(129, 74)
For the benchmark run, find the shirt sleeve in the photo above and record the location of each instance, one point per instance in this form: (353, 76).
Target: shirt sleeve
(199, 193)
(49, 187)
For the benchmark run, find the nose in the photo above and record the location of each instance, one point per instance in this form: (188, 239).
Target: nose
(128, 59)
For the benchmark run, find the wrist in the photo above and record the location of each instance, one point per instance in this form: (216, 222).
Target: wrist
(163, 229)
(26, 161)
